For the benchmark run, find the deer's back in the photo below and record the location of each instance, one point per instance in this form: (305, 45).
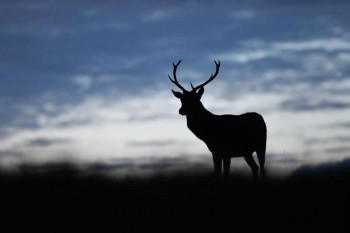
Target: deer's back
(236, 135)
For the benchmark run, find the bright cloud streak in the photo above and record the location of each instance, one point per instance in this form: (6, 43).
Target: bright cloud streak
(109, 129)
(329, 45)
(278, 49)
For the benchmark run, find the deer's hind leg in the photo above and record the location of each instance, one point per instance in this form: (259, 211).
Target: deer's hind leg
(261, 159)
(227, 164)
(250, 160)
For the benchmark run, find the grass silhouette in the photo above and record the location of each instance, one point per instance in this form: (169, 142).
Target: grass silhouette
(60, 196)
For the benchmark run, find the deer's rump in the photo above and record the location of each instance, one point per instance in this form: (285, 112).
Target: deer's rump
(236, 135)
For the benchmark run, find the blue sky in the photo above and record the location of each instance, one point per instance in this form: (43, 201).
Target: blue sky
(87, 81)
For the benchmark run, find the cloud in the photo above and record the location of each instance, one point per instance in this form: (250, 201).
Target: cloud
(156, 143)
(341, 125)
(11, 153)
(339, 150)
(191, 74)
(83, 81)
(117, 109)
(157, 15)
(109, 25)
(328, 45)
(245, 56)
(331, 94)
(344, 56)
(258, 50)
(106, 78)
(117, 124)
(282, 158)
(318, 140)
(128, 125)
(49, 107)
(336, 87)
(43, 142)
(115, 127)
(150, 164)
(305, 104)
(243, 15)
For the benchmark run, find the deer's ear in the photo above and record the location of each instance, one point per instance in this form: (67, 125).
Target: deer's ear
(200, 92)
(177, 94)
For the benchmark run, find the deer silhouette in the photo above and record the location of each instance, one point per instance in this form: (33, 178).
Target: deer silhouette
(226, 136)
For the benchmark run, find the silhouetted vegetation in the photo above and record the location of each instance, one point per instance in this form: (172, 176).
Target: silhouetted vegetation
(60, 196)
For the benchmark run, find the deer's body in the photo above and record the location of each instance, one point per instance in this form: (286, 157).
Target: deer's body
(230, 135)
(226, 136)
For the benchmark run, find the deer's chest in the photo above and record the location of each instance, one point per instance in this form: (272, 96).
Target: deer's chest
(204, 130)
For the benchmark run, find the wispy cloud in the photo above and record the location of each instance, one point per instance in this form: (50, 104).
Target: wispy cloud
(318, 140)
(305, 104)
(10, 153)
(42, 142)
(327, 44)
(338, 150)
(157, 15)
(109, 25)
(243, 15)
(83, 81)
(261, 50)
(247, 56)
(155, 143)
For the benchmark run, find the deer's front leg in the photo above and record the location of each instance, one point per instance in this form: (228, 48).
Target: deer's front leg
(217, 164)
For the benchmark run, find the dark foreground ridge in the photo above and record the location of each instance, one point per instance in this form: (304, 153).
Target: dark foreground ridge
(61, 198)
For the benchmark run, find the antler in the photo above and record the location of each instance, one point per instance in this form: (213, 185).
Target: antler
(175, 80)
(210, 79)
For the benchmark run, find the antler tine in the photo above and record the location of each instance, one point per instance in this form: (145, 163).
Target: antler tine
(211, 77)
(192, 86)
(175, 79)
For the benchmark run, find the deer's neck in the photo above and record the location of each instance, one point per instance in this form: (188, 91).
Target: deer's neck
(198, 119)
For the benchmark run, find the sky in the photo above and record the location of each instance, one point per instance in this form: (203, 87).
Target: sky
(86, 81)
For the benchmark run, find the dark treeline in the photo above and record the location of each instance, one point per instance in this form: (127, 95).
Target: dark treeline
(63, 198)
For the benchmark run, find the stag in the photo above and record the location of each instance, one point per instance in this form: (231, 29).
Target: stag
(226, 136)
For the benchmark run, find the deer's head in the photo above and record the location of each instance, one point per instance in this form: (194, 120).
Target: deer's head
(190, 100)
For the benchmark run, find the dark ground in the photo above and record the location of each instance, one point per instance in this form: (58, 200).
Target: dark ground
(62, 199)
